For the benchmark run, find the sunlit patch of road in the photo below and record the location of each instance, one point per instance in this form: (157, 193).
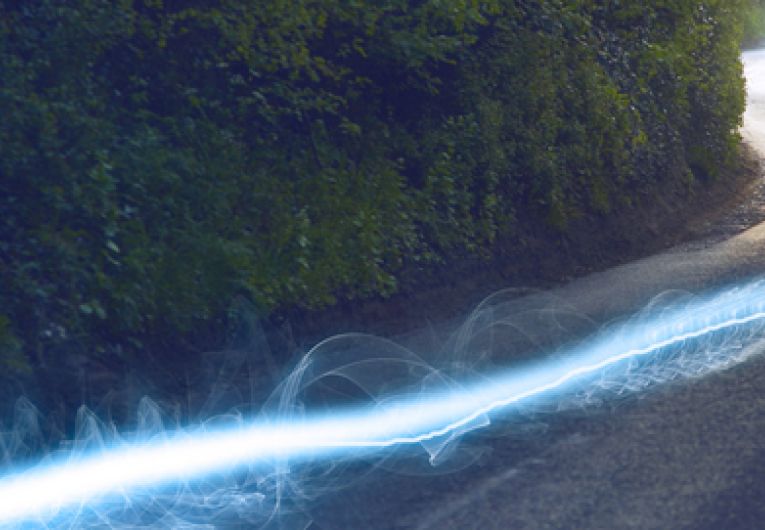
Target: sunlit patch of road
(754, 117)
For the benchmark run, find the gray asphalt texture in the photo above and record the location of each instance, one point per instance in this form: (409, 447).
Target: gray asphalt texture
(691, 456)
(688, 455)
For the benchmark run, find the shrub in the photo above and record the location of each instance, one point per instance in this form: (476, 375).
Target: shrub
(158, 159)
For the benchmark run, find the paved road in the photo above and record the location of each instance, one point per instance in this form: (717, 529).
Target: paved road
(689, 455)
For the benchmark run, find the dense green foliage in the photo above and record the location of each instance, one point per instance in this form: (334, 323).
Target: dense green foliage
(159, 159)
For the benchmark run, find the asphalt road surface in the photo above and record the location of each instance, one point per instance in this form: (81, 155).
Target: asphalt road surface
(687, 455)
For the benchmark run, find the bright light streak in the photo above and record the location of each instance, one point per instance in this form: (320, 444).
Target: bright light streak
(43, 492)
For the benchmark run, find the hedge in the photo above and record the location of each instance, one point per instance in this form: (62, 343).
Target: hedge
(161, 159)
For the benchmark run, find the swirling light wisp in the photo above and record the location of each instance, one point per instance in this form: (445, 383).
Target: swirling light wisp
(51, 489)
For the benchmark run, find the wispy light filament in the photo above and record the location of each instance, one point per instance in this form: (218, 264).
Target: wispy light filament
(40, 492)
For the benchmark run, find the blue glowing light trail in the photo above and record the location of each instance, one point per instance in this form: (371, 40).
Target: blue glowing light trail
(44, 491)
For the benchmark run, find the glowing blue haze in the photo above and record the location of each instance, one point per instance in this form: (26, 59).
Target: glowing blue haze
(46, 491)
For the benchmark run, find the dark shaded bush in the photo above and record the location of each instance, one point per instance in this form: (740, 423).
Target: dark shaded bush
(158, 159)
